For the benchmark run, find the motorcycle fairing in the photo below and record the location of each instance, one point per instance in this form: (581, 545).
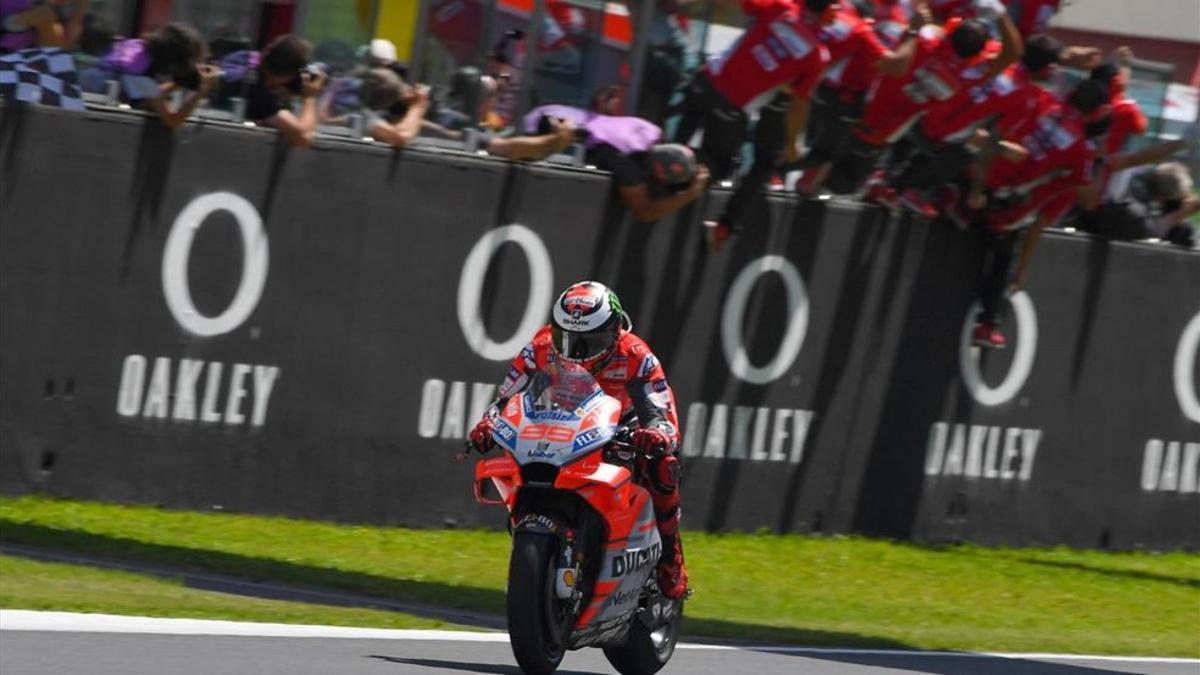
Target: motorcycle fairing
(504, 473)
(557, 437)
(631, 553)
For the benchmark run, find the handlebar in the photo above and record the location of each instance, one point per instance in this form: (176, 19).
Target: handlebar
(621, 442)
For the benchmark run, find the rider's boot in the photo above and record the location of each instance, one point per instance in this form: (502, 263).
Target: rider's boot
(670, 574)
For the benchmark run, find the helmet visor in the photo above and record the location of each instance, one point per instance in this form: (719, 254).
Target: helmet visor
(575, 346)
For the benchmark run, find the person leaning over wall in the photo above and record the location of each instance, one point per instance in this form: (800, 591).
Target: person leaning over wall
(40, 23)
(652, 179)
(553, 137)
(1154, 201)
(393, 109)
(150, 70)
(95, 42)
(467, 103)
(284, 73)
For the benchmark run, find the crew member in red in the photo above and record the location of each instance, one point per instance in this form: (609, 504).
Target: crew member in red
(1029, 16)
(1033, 16)
(944, 10)
(891, 19)
(952, 131)
(1032, 193)
(943, 66)
(1127, 118)
(857, 58)
(589, 327)
(778, 60)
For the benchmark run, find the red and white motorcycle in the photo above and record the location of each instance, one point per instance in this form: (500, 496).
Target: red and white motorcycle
(585, 541)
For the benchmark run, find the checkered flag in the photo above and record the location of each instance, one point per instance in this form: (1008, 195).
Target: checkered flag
(42, 75)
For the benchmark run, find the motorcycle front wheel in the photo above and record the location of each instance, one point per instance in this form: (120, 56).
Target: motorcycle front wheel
(538, 622)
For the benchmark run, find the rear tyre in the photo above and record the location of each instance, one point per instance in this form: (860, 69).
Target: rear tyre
(538, 622)
(646, 650)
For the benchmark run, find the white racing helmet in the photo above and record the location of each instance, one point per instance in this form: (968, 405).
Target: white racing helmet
(586, 321)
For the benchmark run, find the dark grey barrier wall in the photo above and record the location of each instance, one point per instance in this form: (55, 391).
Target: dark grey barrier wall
(213, 319)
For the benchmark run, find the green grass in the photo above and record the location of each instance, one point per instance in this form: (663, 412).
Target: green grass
(817, 591)
(29, 584)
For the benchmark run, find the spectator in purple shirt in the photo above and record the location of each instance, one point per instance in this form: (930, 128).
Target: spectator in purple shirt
(150, 70)
(37, 23)
(652, 180)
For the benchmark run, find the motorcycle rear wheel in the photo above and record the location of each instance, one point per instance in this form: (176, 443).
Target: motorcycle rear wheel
(645, 650)
(538, 622)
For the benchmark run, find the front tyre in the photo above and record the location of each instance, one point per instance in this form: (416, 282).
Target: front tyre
(538, 622)
(646, 650)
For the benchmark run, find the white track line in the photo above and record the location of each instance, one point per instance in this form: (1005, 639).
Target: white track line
(26, 620)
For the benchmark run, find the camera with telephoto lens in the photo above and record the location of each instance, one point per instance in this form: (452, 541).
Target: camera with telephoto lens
(189, 79)
(546, 126)
(296, 86)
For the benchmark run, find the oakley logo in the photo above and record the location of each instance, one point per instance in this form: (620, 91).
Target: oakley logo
(470, 291)
(176, 255)
(1022, 365)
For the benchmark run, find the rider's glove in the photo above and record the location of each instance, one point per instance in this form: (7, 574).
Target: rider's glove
(481, 435)
(990, 10)
(653, 440)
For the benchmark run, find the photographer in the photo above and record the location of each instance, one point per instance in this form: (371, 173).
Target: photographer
(652, 179)
(150, 70)
(394, 109)
(467, 103)
(285, 72)
(40, 23)
(1154, 202)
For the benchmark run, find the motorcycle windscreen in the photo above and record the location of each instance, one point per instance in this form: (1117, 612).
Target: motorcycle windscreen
(560, 387)
(566, 413)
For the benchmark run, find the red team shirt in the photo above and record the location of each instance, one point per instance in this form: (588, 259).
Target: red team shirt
(937, 75)
(1127, 120)
(778, 49)
(1011, 99)
(854, 51)
(1030, 16)
(1060, 159)
(892, 18)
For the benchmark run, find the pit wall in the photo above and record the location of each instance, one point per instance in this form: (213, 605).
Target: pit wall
(212, 319)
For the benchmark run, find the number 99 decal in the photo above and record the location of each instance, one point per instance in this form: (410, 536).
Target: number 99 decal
(547, 432)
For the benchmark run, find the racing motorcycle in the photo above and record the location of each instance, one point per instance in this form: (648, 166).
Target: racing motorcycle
(584, 538)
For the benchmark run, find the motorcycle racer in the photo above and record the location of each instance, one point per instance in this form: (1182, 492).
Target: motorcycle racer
(590, 328)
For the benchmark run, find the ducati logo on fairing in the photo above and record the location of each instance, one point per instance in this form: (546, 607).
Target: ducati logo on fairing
(632, 561)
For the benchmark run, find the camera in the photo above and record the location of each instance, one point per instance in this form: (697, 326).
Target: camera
(296, 86)
(189, 79)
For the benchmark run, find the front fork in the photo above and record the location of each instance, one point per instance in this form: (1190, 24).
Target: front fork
(568, 584)
(566, 577)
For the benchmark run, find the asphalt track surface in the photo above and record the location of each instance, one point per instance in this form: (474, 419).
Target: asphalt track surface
(63, 651)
